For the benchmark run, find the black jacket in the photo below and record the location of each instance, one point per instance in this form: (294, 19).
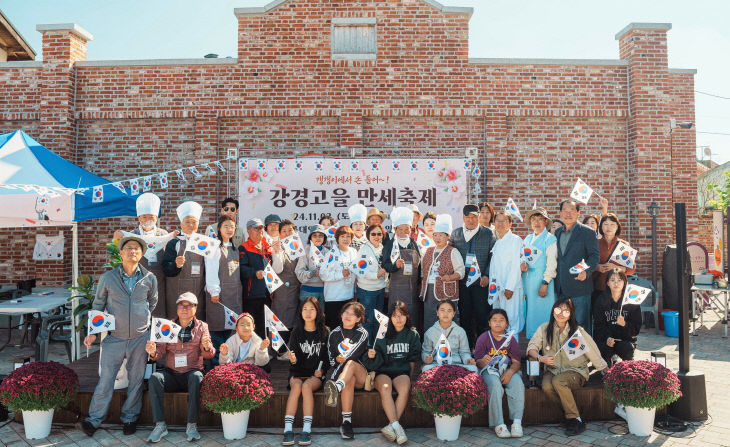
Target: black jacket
(605, 313)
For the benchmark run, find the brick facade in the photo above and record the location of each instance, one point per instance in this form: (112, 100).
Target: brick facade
(537, 124)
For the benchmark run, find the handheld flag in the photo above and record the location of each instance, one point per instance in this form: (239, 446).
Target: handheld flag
(581, 191)
(230, 318)
(272, 321)
(575, 346)
(164, 331)
(345, 347)
(424, 242)
(276, 341)
(202, 245)
(395, 252)
(579, 267)
(624, 255)
(293, 246)
(316, 256)
(271, 278)
(635, 294)
(529, 255)
(494, 291)
(473, 274)
(383, 321)
(100, 321)
(331, 233)
(443, 351)
(511, 208)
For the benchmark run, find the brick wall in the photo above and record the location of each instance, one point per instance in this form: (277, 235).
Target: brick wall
(536, 126)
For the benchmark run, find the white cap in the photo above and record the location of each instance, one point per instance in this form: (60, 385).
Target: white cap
(148, 203)
(443, 224)
(357, 213)
(401, 216)
(189, 209)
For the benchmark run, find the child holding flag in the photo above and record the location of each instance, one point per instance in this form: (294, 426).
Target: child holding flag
(346, 345)
(498, 359)
(616, 324)
(445, 343)
(309, 361)
(393, 359)
(245, 345)
(566, 349)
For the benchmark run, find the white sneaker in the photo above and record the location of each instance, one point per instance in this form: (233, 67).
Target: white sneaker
(388, 432)
(400, 435)
(502, 431)
(192, 432)
(620, 410)
(516, 431)
(159, 432)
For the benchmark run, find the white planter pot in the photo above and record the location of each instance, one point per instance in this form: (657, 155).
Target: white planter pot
(37, 424)
(640, 420)
(447, 427)
(235, 424)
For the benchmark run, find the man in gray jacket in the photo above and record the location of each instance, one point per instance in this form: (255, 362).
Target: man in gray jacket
(129, 293)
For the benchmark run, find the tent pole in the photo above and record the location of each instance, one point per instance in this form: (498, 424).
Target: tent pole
(75, 262)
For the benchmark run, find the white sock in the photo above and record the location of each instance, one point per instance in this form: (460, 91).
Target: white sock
(307, 424)
(346, 416)
(288, 422)
(517, 422)
(579, 419)
(340, 385)
(395, 424)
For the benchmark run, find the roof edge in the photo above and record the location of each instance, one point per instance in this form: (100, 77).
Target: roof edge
(74, 28)
(152, 62)
(643, 25)
(261, 10)
(18, 37)
(517, 61)
(683, 71)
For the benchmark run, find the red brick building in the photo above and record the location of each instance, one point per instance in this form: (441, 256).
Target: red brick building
(362, 78)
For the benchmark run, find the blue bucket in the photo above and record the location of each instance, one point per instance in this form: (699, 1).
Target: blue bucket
(671, 323)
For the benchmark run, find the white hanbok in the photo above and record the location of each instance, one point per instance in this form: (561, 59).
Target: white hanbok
(505, 271)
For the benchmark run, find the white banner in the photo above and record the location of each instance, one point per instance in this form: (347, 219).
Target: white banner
(304, 189)
(718, 251)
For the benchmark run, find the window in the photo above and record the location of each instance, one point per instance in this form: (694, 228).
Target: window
(354, 38)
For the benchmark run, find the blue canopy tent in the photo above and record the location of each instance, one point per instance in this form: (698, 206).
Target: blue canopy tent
(38, 188)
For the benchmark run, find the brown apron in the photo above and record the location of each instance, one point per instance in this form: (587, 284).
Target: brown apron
(156, 268)
(405, 287)
(286, 298)
(229, 274)
(186, 282)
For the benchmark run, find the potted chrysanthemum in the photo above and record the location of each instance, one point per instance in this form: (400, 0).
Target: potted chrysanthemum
(37, 389)
(641, 386)
(449, 392)
(233, 390)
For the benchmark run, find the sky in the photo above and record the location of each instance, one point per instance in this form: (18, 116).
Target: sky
(569, 29)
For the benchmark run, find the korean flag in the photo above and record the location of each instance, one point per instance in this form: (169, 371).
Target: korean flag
(473, 274)
(293, 246)
(581, 191)
(230, 318)
(579, 267)
(219, 165)
(271, 279)
(134, 187)
(345, 347)
(202, 245)
(272, 321)
(529, 254)
(193, 170)
(164, 331)
(575, 346)
(276, 341)
(424, 242)
(147, 183)
(395, 252)
(180, 175)
(316, 256)
(97, 196)
(443, 351)
(100, 321)
(511, 208)
(383, 322)
(120, 187)
(635, 294)
(624, 255)
(163, 180)
(494, 291)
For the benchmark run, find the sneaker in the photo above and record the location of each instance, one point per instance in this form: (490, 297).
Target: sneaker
(516, 431)
(192, 432)
(620, 410)
(129, 428)
(288, 438)
(388, 432)
(400, 435)
(331, 393)
(159, 432)
(346, 430)
(87, 428)
(305, 438)
(502, 431)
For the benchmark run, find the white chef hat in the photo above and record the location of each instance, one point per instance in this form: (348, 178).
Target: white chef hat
(189, 209)
(148, 203)
(401, 216)
(443, 224)
(357, 213)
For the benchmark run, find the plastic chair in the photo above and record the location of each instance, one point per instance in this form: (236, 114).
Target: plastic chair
(52, 330)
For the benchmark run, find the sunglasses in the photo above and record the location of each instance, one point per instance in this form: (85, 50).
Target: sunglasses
(558, 311)
(226, 208)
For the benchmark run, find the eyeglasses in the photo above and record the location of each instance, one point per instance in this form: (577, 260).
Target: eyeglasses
(557, 311)
(226, 208)
(185, 306)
